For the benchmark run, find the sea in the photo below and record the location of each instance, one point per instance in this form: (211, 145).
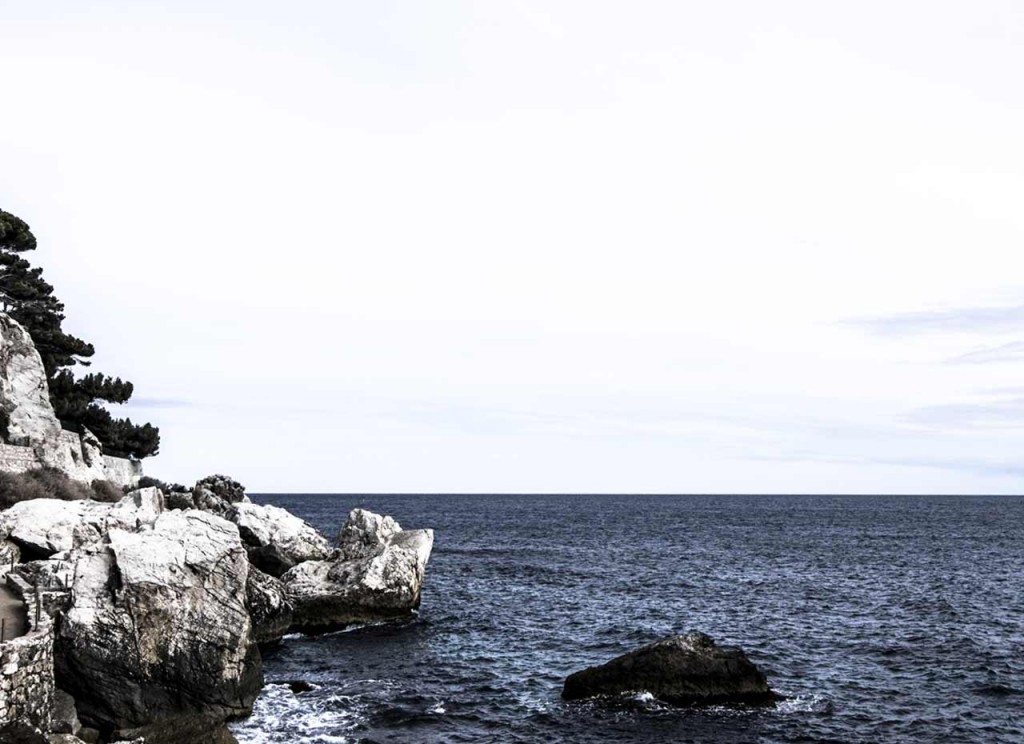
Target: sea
(880, 618)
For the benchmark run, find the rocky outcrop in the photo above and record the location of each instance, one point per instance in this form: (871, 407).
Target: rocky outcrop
(377, 576)
(42, 527)
(365, 534)
(156, 640)
(159, 613)
(277, 540)
(683, 670)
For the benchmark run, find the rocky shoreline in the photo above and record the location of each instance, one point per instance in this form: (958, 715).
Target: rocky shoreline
(157, 614)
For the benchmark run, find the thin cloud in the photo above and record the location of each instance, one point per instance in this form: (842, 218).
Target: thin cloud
(1001, 414)
(962, 320)
(992, 468)
(969, 465)
(1011, 352)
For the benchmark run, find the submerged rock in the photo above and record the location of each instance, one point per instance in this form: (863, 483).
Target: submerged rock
(156, 640)
(683, 670)
(378, 576)
(297, 686)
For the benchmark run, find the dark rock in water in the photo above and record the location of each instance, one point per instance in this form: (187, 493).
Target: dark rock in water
(298, 686)
(268, 606)
(683, 670)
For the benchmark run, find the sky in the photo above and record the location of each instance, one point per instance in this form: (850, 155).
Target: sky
(524, 246)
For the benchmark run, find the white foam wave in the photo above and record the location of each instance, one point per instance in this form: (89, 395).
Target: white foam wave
(281, 716)
(814, 703)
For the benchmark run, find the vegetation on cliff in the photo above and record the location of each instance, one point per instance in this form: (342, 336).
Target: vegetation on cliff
(50, 483)
(77, 402)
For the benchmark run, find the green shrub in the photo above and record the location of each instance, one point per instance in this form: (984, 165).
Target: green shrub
(58, 485)
(147, 481)
(15, 487)
(104, 490)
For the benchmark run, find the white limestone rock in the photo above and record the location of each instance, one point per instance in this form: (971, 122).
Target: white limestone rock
(138, 510)
(277, 539)
(365, 534)
(24, 395)
(378, 576)
(42, 527)
(156, 640)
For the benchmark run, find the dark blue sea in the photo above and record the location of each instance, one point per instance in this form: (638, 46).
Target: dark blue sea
(881, 618)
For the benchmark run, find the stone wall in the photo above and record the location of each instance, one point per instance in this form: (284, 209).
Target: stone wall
(119, 470)
(15, 459)
(122, 471)
(26, 664)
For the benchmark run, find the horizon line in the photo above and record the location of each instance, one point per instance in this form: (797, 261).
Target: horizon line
(600, 493)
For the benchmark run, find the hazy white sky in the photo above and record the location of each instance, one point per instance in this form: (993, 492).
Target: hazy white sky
(538, 246)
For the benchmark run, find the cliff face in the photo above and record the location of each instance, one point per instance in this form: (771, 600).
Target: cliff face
(34, 437)
(24, 396)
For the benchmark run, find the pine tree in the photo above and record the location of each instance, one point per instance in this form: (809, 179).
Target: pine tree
(29, 299)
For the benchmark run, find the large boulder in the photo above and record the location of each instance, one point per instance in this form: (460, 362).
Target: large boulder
(277, 539)
(156, 640)
(682, 670)
(377, 576)
(42, 527)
